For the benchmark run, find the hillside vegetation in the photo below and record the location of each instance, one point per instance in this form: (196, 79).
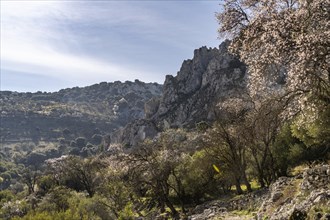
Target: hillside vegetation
(241, 132)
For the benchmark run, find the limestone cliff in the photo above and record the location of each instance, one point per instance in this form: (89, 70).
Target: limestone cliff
(211, 76)
(202, 82)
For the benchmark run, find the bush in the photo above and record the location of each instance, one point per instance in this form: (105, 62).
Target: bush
(73, 144)
(97, 139)
(81, 142)
(5, 196)
(45, 183)
(35, 158)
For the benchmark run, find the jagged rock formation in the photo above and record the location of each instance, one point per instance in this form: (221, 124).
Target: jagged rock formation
(212, 76)
(100, 108)
(191, 96)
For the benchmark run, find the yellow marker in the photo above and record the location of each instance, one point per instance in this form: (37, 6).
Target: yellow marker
(216, 168)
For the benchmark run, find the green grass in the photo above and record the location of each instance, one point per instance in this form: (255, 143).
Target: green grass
(242, 212)
(254, 186)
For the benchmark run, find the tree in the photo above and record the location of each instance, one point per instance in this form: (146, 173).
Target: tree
(277, 38)
(81, 142)
(248, 129)
(152, 169)
(197, 178)
(30, 176)
(225, 141)
(76, 173)
(225, 144)
(314, 133)
(116, 193)
(259, 130)
(285, 44)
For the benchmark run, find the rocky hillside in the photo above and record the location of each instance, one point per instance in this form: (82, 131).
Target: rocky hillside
(306, 195)
(190, 97)
(202, 82)
(100, 108)
(210, 77)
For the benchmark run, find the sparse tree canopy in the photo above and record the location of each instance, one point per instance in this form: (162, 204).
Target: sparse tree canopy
(287, 39)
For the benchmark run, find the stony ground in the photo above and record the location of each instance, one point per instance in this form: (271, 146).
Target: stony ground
(303, 196)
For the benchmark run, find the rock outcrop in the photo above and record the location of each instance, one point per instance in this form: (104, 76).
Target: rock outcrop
(304, 196)
(135, 133)
(202, 82)
(295, 197)
(212, 76)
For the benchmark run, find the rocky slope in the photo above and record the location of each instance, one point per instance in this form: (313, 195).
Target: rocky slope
(100, 108)
(202, 82)
(192, 96)
(303, 196)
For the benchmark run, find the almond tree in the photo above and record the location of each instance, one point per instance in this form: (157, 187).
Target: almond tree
(245, 136)
(281, 39)
(285, 44)
(260, 128)
(226, 143)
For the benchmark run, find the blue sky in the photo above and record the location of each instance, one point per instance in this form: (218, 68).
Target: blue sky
(50, 45)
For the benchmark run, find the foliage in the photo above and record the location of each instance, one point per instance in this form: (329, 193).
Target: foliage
(76, 173)
(278, 38)
(152, 164)
(6, 196)
(224, 144)
(285, 44)
(198, 177)
(127, 213)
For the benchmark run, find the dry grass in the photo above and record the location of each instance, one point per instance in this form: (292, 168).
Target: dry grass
(298, 169)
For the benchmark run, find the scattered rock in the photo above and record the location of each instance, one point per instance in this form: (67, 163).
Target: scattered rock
(277, 202)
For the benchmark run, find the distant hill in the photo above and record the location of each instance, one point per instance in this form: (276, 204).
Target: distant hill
(74, 112)
(128, 112)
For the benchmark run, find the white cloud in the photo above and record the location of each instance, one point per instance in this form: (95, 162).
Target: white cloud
(28, 33)
(45, 61)
(90, 41)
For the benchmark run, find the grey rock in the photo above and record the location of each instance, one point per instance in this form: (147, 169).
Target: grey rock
(198, 209)
(276, 196)
(311, 193)
(136, 132)
(192, 96)
(202, 82)
(151, 107)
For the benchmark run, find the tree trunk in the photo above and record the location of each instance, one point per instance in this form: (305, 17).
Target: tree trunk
(175, 213)
(161, 205)
(238, 187)
(261, 182)
(259, 170)
(246, 182)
